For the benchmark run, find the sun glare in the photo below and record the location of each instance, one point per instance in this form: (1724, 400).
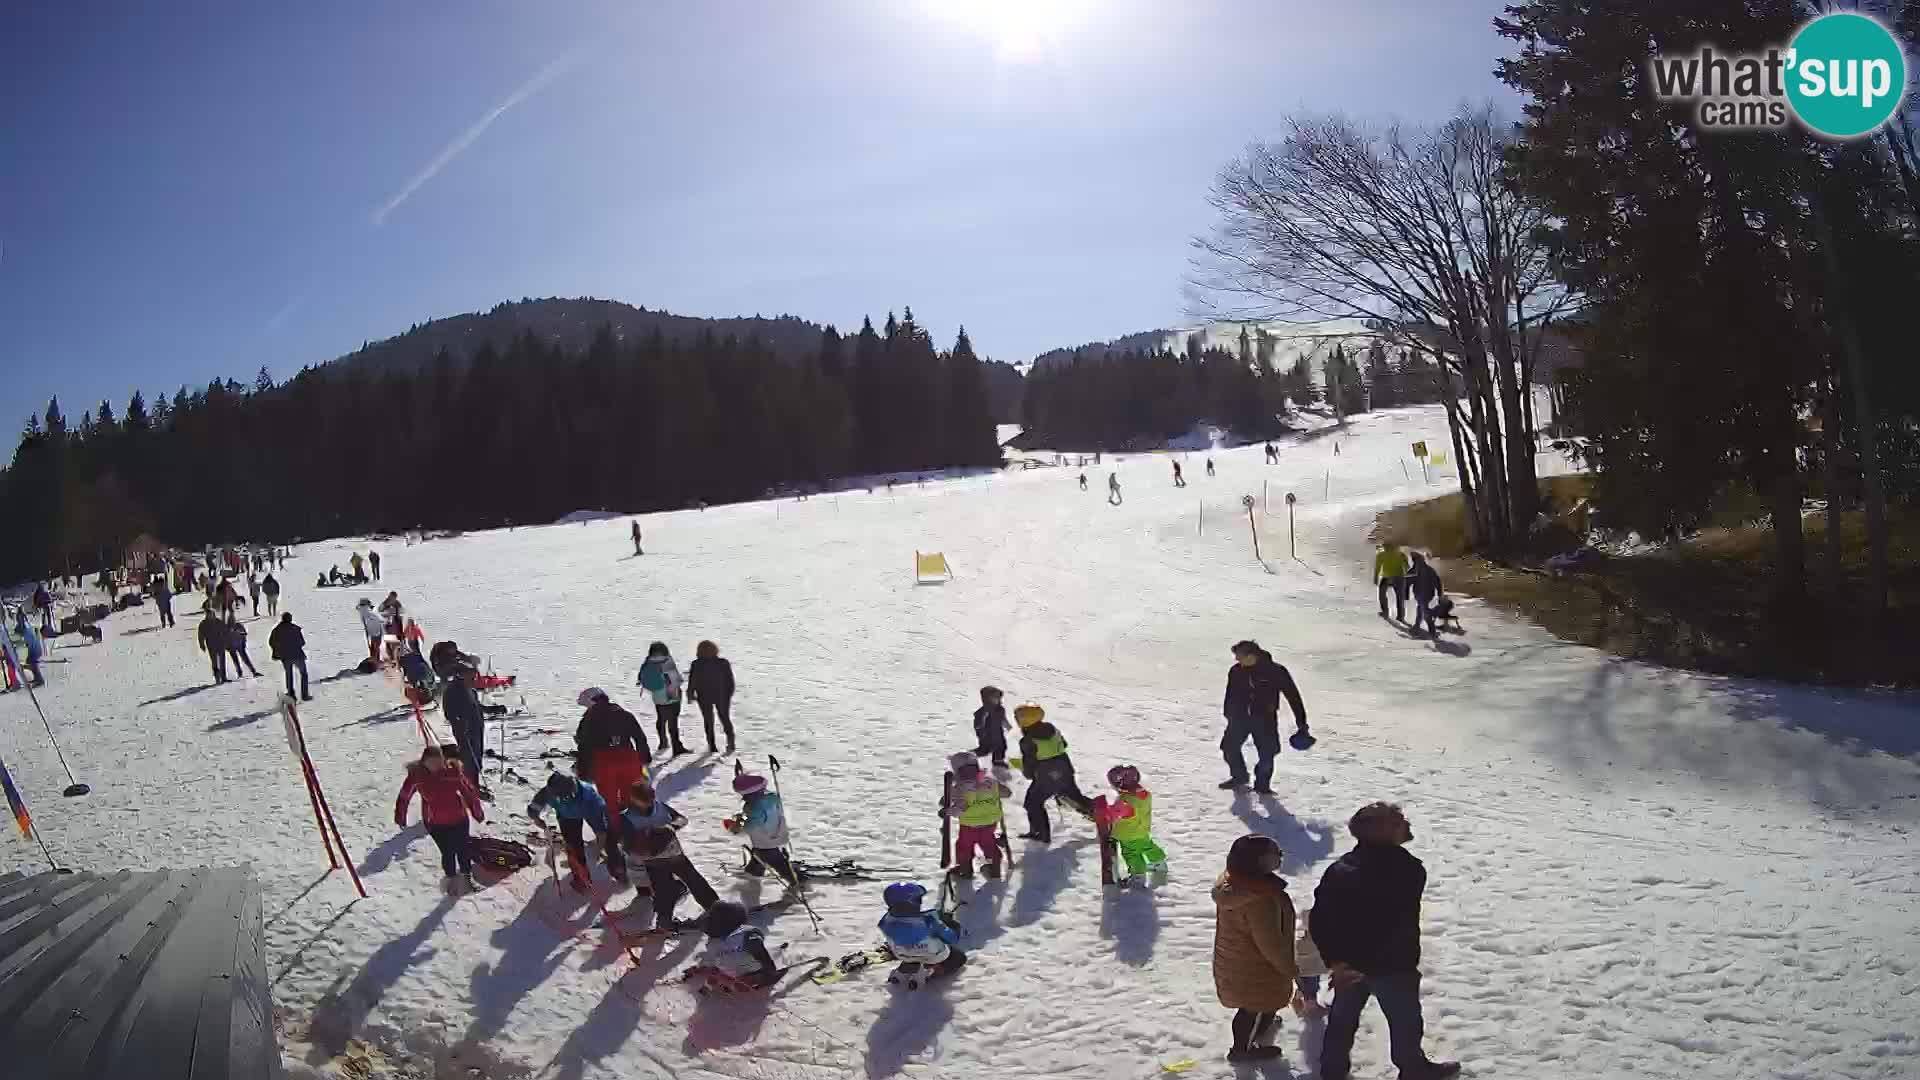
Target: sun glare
(1020, 29)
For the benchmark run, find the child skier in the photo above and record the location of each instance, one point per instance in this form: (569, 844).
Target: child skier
(924, 941)
(975, 803)
(1049, 772)
(447, 800)
(737, 957)
(765, 824)
(990, 726)
(577, 804)
(653, 834)
(1129, 820)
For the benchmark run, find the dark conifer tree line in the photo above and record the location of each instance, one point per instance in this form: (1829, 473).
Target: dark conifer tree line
(1117, 400)
(524, 433)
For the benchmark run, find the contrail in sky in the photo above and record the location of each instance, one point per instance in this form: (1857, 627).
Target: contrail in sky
(466, 138)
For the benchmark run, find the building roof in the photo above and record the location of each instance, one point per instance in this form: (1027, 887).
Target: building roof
(156, 976)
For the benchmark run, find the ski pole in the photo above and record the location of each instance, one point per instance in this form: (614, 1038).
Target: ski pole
(792, 882)
(773, 765)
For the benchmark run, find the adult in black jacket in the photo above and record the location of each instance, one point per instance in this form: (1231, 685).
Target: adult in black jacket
(213, 642)
(710, 685)
(1425, 582)
(1252, 707)
(1366, 925)
(289, 646)
(460, 705)
(606, 726)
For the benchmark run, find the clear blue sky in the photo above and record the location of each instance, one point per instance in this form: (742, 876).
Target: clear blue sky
(191, 190)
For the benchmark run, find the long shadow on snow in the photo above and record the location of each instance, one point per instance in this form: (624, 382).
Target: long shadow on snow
(1043, 873)
(1817, 742)
(612, 1022)
(723, 1020)
(531, 949)
(910, 1024)
(342, 1012)
(178, 694)
(391, 850)
(682, 780)
(1303, 843)
(232, 722)
(1130, 918)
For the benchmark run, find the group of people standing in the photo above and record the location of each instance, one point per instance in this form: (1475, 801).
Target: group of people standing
(1401, 571)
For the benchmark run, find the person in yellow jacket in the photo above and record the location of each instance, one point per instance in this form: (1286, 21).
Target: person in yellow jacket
(975, 805)
(1129, 820)
(1049, 772)
(1390, 570)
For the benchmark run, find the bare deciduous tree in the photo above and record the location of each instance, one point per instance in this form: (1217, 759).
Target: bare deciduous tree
(1416, 231)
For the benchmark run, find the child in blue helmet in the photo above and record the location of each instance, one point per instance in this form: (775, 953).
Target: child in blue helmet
(924, 941)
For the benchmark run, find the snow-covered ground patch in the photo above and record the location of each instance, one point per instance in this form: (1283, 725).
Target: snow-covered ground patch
(1635, 873)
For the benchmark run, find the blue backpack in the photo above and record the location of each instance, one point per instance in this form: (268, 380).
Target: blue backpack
(653, 676)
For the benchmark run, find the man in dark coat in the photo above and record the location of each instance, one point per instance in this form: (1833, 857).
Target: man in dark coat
(461, 706)
(213, 641)
(163, 599)
(289, 645)
(1252, 707)
(1366, 925)
(1425, 582)
(606, 726)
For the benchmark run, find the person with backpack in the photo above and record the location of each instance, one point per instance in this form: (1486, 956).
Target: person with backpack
(1255, 685)
(288, 644)
(710, 685)
(660, 676)
(447, 799)
(610, 745)
(270, 588)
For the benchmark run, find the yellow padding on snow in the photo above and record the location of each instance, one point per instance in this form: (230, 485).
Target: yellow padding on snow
(931, 564)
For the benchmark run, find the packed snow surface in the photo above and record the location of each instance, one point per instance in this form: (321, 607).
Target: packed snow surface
(1634, 873)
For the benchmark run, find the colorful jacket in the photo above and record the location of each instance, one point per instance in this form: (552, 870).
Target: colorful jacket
(976, 802)
(765, 821)
(1389, 563)
(447, 797)
(661, 677)
(1129, 816)
(919, 938)
(585, 805)
(652, 834)
(1039, 743)
(1253, 943)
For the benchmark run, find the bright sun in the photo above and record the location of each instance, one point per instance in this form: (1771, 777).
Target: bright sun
(1020, 29)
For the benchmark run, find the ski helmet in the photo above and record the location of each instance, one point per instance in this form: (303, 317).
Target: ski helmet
(749, 784)
(724, 918)
(590, 695)
(1124, 776)
(904, 894)
(1028, 715)
(963, 761)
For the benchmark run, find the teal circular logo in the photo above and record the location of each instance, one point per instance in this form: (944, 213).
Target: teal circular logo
(1846, 75)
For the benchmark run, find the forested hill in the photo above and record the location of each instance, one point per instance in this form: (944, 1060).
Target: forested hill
(570, 323)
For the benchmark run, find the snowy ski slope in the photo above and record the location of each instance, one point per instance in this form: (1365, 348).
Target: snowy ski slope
(1635, 873)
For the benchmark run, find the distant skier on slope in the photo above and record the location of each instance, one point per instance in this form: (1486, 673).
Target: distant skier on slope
(1209, 466)
(1255, 685)
(1179, 481)
(1273, 454)
(636, 538)
(1113, 489)
(1083, 479)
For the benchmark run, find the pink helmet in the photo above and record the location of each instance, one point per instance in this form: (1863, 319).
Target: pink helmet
(1123, 776)
(749, 784)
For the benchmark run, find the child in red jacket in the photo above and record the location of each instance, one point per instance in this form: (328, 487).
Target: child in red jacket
(447, 798)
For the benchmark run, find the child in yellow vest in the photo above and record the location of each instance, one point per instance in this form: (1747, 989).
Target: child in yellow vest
(1129, 820)
(975, 805)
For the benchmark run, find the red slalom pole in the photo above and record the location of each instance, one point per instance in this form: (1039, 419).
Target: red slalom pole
(314, 798)
(320, 795)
